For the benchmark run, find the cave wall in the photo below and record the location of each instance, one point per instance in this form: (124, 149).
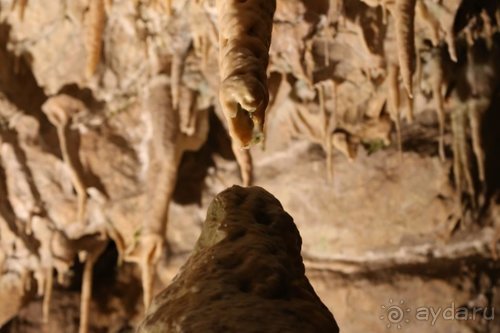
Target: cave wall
(395, 197)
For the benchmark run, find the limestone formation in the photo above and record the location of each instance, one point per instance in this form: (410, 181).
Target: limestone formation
(113, 141)
(244, 39)
(245, 274)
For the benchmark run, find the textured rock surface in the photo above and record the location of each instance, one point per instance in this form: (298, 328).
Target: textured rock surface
(394, 198)
(245, 274)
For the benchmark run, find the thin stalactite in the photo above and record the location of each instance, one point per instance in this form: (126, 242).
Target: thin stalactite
(430, 21)
(404, 16)
(59, 109)
(437, 81)
(95, 30)
(395, 103)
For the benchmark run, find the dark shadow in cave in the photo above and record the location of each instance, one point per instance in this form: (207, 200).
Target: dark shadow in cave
(491, 143)
(371, 20)
(477, 76)
(109, 283)
(314, 9)
(471, 8)
(7, 328)
(194, 165)
(105, 269)
(83, 94)
(17, 81)
(490, 134)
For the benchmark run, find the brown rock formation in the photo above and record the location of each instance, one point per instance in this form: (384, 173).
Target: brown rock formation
(245, 274)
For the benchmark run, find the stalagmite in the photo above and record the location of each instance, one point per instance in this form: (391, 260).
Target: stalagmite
(245, 265)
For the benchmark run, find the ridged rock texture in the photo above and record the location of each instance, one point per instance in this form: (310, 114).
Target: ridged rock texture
(245, 274)
(113, 142)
